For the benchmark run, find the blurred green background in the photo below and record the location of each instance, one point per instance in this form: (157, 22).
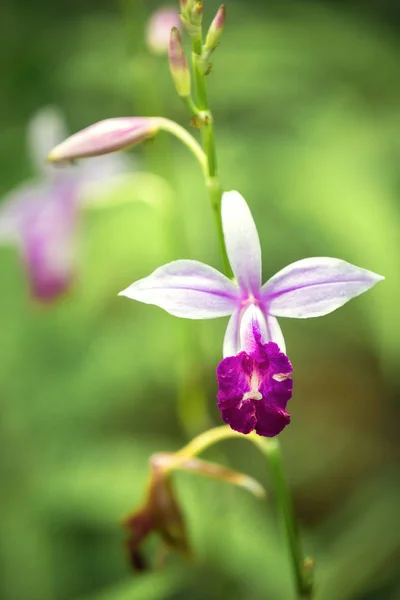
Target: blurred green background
(306, 98)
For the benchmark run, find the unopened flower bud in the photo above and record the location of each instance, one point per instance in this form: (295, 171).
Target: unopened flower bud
(159, 27)
(178, 64)
(104, 137)
(216, 28)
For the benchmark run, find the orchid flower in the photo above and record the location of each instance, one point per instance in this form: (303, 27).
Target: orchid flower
(253, 378)
(159, 28)
(41, 216)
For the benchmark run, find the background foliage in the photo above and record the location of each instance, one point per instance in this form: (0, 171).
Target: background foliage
(306, 98)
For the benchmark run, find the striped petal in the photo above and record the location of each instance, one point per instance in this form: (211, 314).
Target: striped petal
(187, 289)
(315, 286)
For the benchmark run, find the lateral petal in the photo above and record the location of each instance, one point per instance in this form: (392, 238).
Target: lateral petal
(315, 286)
(188, 289)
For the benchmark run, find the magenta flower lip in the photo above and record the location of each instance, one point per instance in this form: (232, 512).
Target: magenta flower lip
(254, 387)
(311, 287)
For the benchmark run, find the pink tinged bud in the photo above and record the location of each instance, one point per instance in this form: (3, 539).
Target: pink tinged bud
(105, 136)
(159, 27)
(216, 28)
(178, 64)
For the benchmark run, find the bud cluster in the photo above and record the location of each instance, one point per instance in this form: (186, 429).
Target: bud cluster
(192, 18)
(192, 14)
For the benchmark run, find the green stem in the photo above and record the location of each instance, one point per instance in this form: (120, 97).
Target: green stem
(206, 124)
(302, 567)
(200, 82)
(185, 137)
(191, 106)
(215, 192)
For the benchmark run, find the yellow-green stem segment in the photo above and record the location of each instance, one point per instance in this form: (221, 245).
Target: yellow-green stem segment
(184, 136)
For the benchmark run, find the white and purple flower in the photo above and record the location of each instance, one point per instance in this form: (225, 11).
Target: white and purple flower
(41, 216)
(159, 28)
(253, 378)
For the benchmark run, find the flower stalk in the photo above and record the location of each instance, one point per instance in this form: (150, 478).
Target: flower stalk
(302, 567)
(270, 448)
(186, 138)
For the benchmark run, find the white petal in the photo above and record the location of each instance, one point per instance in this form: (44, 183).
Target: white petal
(240, 323)
(274, 333)
(252, 315)
(231, 345)
(242, 242)
(268, 325)
(188, 289)
(315, 286)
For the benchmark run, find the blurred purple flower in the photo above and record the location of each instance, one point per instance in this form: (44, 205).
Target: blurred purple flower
(249, 394)
(159, 28)
(41, 216)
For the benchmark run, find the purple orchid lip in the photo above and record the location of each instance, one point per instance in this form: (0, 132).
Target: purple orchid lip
(311, 287)
(254, 387)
